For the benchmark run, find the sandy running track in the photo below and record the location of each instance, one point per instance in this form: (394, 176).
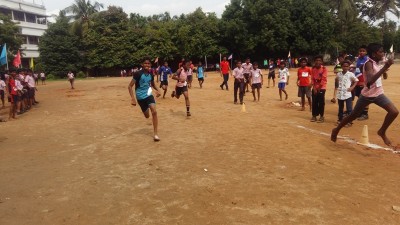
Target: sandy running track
(87, 157)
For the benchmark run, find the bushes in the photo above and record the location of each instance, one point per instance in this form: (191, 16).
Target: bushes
(80, 74)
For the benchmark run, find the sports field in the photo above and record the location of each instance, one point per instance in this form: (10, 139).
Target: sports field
(86, 156)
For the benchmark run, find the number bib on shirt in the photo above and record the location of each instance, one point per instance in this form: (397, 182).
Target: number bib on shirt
(304, 74)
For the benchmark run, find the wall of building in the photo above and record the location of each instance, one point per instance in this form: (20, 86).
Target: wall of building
(31, 19)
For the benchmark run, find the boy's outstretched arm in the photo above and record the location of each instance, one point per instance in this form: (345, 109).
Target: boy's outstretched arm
(130, 89)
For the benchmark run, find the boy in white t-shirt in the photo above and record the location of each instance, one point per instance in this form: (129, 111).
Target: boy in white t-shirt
(283, 76)
(71, 79)
(346, 81)
(257, 80)
(43, 78)
(2, 90)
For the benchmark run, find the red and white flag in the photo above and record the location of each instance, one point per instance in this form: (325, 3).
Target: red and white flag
(17, 60)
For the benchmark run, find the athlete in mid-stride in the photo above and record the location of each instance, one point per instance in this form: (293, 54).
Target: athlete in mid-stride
(182, 85)
(143, 81)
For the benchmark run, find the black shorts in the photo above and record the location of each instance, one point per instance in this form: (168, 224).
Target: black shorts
(200, 79)
(164, 83)
(189, 78)
(304, 91)
(1, 94)
(271, 74)
(31, 92)
(145, 103)
(180, 90)
(43, 78)
(256, 86)
(357, 90)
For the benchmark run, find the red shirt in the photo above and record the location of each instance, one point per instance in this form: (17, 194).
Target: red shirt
(224, 67)
(13, 89)
(304, 76)
(319, 77)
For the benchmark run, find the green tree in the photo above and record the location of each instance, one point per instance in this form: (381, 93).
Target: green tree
(9, 35)
(109, 42)
(59, 48)
(314, 27)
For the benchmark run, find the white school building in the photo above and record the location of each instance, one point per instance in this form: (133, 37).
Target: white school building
(30, 16)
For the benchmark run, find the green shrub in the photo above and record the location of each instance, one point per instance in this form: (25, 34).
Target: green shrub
(80, 74)
(50, 77)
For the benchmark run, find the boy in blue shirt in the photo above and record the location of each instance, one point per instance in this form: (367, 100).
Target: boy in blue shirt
(143, 81)
(164, 71)
(200, 74)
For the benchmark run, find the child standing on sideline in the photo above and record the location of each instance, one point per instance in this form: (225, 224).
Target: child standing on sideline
(71, 79)
(164, 71)
(225, 70)
(372, 93)
(283, 75)
(181, 86)
(247, 66)
(2, 88)
(319, 79)
(346, 81)
(200, 74)
(190, 75)
(361, 60)
(43, 78)
(239, 82)
(304, 84)
(143, 81)
(271, 74)
(257, 80)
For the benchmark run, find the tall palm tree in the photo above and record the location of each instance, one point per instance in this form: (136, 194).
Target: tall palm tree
(379, 9)
(82, 9)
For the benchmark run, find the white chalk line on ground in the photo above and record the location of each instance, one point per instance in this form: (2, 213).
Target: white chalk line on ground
(349, 140)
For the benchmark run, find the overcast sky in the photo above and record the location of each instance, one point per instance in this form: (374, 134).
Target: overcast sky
(146, 7)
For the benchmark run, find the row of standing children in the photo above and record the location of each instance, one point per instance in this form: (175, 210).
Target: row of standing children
(19, 86)
(249, 75)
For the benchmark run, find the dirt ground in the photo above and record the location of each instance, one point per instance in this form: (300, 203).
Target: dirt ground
(86, 156)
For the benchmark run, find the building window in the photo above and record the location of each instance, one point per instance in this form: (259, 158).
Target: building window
(30, 18)
(6, 12)
(33, 40)
(19, 16)
(24, 39)
(41, 20)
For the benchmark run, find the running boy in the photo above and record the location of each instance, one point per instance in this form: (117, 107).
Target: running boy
(346, 81)
(256, 80)
(319, 79)
(283, 75)
(164, 71)
(372, 93)
(239, 82)
(143, 81)
(200, 74)
(181, 86)
(304, 84)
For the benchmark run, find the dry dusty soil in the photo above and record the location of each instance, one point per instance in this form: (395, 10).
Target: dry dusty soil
(86, 156)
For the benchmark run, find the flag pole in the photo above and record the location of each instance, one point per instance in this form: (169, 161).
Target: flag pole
(6, 57)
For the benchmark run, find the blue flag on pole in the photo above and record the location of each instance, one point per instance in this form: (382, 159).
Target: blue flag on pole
(3, 56)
